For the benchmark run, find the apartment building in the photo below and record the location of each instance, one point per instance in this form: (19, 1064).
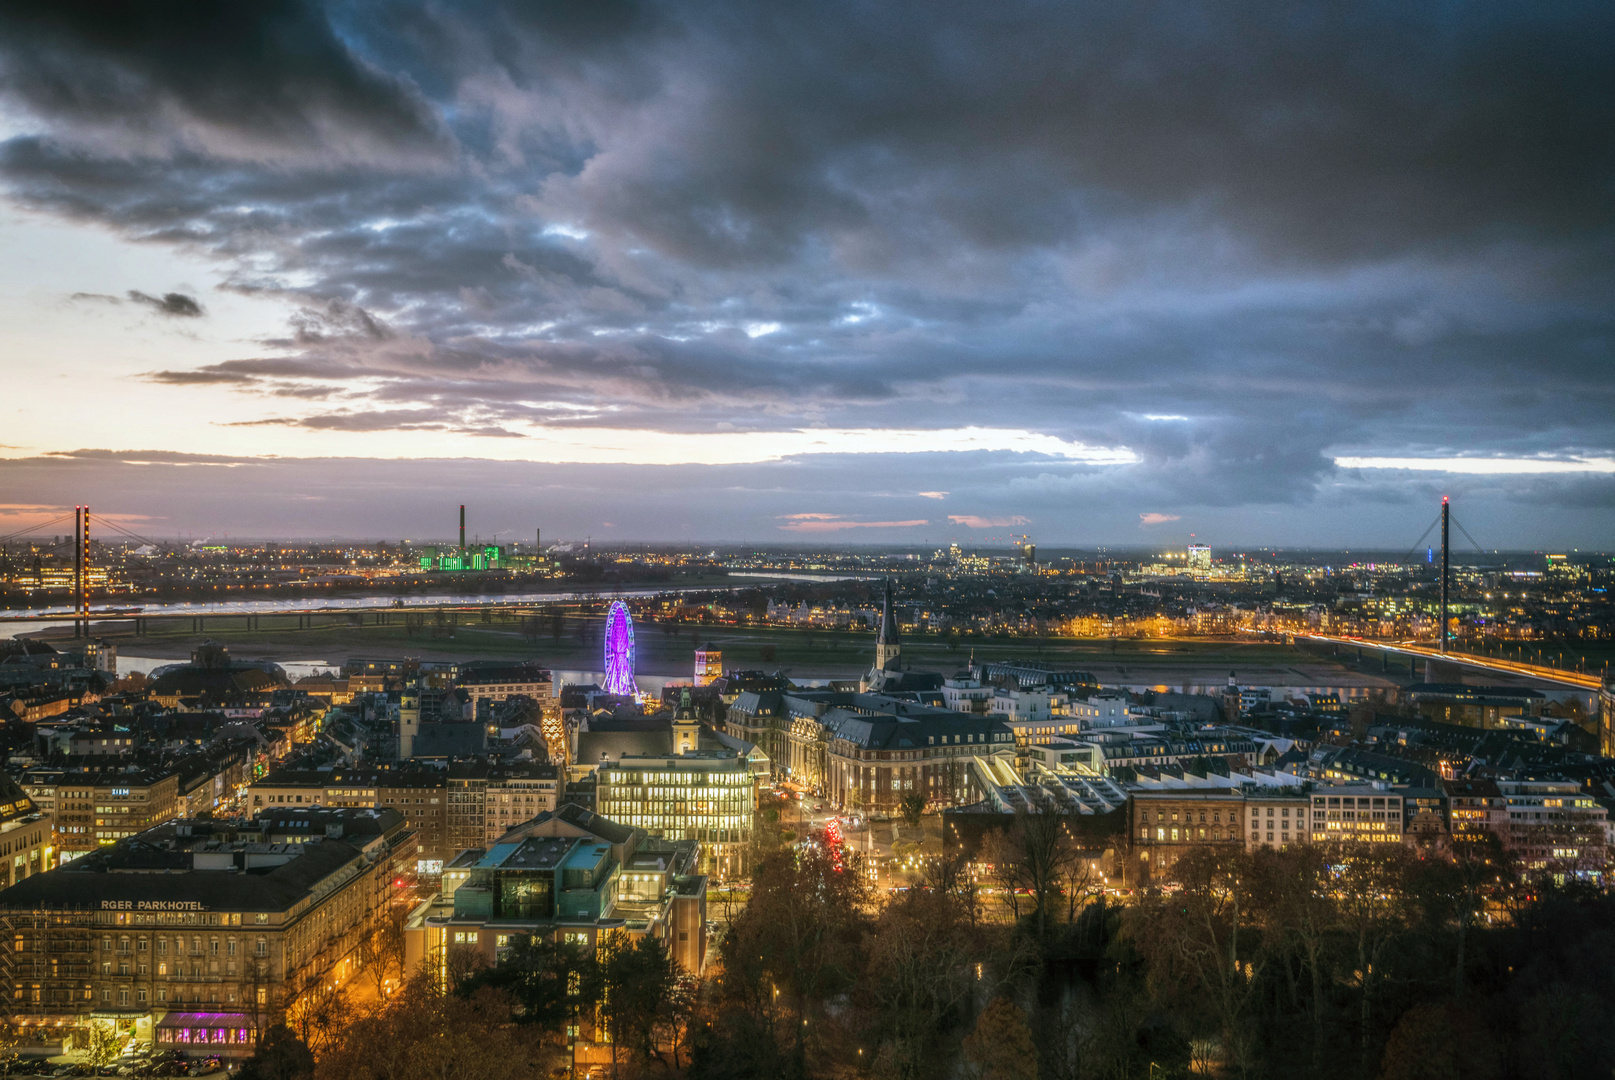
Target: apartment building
(1277, 819)
(488, 681)
(1554, 828)
(94, 808)
(27, 835)
(1166, 825)
(1368, 813)
(1476, 810)
(517, 793)
(483, 801)
(419, 795)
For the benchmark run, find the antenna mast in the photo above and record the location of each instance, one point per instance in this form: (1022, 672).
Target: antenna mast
(1446, 516)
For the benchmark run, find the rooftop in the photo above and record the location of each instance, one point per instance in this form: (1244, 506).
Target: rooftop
(207, 865)
(536, 853)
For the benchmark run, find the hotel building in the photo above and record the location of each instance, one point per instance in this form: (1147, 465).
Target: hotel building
(204, 930)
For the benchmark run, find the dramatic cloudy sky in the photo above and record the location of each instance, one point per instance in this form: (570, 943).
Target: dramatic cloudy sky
(1108, 273)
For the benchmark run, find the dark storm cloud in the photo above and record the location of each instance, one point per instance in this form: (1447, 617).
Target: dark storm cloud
(258, 80)
(1294, 233)
(1341, 130)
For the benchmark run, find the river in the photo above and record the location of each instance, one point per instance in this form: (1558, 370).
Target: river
(297, 669)
(370, 603)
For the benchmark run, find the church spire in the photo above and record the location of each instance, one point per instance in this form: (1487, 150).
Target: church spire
(887, 647)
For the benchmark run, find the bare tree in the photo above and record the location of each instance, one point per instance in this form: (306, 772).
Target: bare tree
(1000, 855)
(103, 1047)
(318, 1010)
(258, 984)
(460, 964)
(1203, 927)
(1299, 885)
(950, 876)
(1080, 881)
(919, 971)
(381, 952)
(1050, 859)
(1372, 889)
(425, 1035)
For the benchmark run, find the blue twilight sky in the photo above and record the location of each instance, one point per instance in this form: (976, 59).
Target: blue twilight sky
(876, 272)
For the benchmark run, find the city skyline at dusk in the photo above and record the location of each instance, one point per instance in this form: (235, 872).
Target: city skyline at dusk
(845, 540)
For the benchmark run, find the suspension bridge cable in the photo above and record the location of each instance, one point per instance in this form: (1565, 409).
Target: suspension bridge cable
(1420, 540)
(119, 528)
(1471, 539)
(34, 528)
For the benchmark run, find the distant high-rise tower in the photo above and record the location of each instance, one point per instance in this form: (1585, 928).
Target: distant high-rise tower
(708, 665)
(620, 651)
(1199, 556)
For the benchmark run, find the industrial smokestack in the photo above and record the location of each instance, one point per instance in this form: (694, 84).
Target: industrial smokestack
(462, 527)
(538, 541)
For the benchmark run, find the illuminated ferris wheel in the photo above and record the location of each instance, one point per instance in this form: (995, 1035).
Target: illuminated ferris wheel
(620, 651)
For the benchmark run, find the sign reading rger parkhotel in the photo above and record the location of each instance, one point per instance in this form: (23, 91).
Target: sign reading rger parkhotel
(152, 905)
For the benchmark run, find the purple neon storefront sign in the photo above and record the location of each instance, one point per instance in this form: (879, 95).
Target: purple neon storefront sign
(620, 650)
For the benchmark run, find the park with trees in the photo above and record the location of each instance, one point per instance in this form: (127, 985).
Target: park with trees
(1015, 962)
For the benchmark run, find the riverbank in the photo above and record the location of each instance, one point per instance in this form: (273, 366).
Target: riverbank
(669, 650)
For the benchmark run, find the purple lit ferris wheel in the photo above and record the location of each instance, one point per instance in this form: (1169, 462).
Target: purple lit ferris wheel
(620, 651)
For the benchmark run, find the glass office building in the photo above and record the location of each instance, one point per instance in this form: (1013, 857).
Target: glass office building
(707, 796)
